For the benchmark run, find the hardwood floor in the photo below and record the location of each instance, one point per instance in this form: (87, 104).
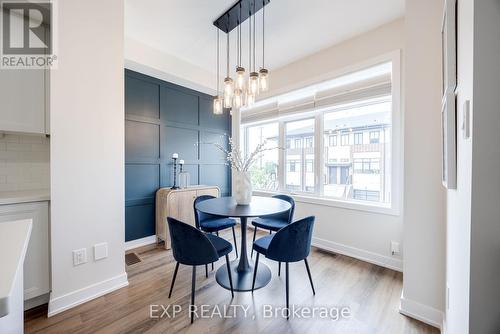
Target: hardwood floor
(370, 292)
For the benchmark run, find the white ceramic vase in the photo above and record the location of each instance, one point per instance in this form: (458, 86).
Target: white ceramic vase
(243, 188)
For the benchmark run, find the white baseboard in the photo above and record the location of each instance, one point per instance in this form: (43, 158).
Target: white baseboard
(75, 298)
(424, 313)
(361, 254)
(140, 242)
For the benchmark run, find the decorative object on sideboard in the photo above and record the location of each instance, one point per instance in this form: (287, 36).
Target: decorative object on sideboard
(183, 176)
(238, 93)
(241, 165)
(175, 156)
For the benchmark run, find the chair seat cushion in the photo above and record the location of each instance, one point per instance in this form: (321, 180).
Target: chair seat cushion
(269, 223)
(216, 224)
(262, 244)
(222, 246)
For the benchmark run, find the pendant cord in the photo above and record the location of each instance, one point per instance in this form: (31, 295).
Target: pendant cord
(227, 34)
(217, 62)
(254, 46)
(263, 31)
(250, 42)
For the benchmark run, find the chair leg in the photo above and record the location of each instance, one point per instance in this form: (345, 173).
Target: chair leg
(309, 274)
(279, 268)
(287, 291)
(270, 231)
(255, 271)
(254, 233)
(173, 279)
(193, 286)
(229, 274)
(217, 233)
(235, 244)
(206, 270)
(212, 266)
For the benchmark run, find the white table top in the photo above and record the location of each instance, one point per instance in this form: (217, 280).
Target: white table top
(14, 238)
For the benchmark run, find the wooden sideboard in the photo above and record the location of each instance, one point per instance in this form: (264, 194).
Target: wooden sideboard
(178, 203)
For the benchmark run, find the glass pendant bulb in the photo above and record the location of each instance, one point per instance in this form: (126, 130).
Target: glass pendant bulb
(253, 83)
(218, 105)
(240, 77)
(228, 101)
(250, 99)
(263, 79)
(237, 98)
(228, 87)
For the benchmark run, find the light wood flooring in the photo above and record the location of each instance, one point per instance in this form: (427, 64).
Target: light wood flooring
(370, 292)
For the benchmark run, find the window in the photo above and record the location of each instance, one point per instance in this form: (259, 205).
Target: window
(332, 140)
(344, 140)
(298, 143)
(309, 142)
(296, 178)
(264, 172)
(351, 170)
(366, 195)
(358, 138)
(374, 137)
(367, 166)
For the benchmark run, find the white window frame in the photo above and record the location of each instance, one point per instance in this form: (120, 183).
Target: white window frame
(397, 145)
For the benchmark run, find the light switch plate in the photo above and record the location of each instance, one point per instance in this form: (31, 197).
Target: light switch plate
(79, 256)
(100, 251)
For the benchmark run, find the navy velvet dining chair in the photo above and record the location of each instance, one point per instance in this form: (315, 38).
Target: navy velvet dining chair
(290, 244)
(212, 224)
(275, 222)
(192, 247)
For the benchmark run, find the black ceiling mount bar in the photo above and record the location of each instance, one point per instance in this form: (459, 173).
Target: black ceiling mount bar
(231, 18)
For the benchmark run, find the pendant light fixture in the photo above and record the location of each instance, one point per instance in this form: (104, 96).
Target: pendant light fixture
(228, 82)
(242, 91)
(217, 99)
(263, 73)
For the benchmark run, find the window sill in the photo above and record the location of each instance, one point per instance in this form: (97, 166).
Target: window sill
(357, 206)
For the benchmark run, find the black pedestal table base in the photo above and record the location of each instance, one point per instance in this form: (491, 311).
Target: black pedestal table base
(242, 280)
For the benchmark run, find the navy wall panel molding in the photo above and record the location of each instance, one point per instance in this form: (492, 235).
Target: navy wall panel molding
(162, 118)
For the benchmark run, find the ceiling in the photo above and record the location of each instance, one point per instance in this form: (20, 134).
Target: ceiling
(294, 28)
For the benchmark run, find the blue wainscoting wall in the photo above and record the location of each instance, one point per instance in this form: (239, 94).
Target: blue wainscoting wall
(160, 119)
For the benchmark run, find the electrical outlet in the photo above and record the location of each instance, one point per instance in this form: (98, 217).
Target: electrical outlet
(394, 247)
(100, 251)
(79, 256)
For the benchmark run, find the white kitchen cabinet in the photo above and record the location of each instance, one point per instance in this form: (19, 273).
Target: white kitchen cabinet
(36, 264)
(24, 98)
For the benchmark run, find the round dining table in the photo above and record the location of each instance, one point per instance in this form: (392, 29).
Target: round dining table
(242, 269)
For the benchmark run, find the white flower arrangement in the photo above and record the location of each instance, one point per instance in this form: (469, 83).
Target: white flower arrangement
(235, 158)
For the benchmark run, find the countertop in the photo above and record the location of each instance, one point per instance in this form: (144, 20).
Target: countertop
(24, 196)
(14, 238)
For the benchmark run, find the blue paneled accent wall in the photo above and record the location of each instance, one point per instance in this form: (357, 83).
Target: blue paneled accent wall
(160, 119)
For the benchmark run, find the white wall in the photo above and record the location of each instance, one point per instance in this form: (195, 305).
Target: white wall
(362, 234)
(24, 162)
(147, 60)
(87, 151)
(459, 200)
(485, 209)
(425, 198)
